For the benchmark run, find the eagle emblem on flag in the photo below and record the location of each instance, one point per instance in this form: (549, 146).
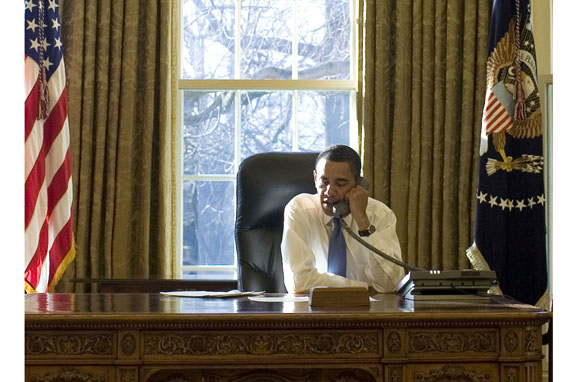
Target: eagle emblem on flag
(512, 104)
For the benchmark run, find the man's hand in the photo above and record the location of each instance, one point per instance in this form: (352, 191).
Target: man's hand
(357, 198)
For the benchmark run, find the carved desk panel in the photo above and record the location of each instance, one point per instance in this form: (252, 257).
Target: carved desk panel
(160, 338)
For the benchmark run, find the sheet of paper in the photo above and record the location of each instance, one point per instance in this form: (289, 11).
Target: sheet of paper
(285, 298)
(205, 293)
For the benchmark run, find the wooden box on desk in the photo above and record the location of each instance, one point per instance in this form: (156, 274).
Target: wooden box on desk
(322, 296)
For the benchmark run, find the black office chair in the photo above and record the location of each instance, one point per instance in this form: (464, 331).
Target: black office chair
(266, 182)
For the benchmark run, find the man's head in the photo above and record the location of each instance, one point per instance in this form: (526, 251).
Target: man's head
(336, 171)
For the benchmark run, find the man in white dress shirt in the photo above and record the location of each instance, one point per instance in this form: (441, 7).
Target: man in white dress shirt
(309, 224)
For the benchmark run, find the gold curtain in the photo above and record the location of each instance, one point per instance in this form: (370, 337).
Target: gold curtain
(421, 90)
(120, 76)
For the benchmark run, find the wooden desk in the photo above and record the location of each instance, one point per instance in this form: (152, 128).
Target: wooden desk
(156, 338)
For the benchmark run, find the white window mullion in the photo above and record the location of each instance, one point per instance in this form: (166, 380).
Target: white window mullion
(295, 43)
(295, 76)
(267, 84)
(238, 95)
(295, 125)
(208, 268)
(238, 128)
(237, 45)
(209, 177)
(353, 125)
(237, 109)
(179, 186)
(179, 152)
(353, 15)
(237, 151)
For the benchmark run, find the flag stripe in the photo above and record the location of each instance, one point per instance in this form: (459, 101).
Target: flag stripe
(32, 188)
(30, 110)
(33, 229)
(57, 153)
(43, 282)
(496, 120)
(55, 121)
(61, 214)
(502, 120)
(59, 184)
(60, 247)
(504, 124)
(494, 106)
(32, 147)
(32, 273)
(496, 114)
(31, 68)
(490, 106)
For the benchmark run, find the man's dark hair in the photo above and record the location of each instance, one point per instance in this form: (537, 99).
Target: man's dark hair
(342, 153)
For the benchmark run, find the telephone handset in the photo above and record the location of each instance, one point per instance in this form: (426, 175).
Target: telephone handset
(341, 209)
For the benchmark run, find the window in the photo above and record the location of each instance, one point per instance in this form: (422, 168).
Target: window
(256, 76)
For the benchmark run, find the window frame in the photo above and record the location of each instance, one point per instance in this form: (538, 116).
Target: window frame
(238, 85)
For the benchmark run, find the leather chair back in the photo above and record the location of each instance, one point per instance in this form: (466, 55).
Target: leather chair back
(266, 183)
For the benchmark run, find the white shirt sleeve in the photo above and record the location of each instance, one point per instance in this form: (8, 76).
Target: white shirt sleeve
(381, 273)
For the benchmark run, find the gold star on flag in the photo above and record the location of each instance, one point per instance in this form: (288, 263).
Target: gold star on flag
(482, 197)
(493, 201)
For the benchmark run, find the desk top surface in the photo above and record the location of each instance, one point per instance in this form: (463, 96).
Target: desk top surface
(137, 306)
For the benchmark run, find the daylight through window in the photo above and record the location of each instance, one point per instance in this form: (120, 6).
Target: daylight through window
(256, 76)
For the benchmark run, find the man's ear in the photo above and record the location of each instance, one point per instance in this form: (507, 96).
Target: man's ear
(315, 177)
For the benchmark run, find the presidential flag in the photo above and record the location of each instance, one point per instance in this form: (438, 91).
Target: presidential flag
(48, 192)
(510, 231)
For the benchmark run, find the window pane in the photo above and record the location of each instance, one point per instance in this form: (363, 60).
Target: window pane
(208, 39)
(324, 39)
(208, 135)
(323, 119)
(266, 121)
(208, 222)
(266, 39)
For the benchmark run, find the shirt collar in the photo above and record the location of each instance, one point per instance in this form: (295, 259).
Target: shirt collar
(327, 219)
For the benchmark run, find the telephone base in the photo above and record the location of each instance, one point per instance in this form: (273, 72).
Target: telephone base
(446, 285)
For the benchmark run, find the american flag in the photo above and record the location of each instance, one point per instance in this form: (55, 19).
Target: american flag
(48, 193)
